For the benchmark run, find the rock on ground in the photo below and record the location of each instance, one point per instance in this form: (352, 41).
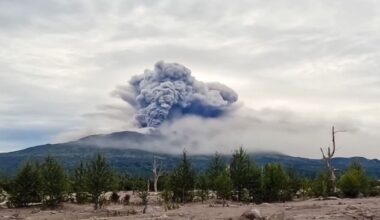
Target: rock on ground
(252, 214)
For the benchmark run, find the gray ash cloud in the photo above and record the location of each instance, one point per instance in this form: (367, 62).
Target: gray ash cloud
(169, 91)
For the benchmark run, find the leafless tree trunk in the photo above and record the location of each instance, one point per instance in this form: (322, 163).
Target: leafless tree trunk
(157, 173)
(328, 158)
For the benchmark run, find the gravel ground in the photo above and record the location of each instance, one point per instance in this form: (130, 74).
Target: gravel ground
(366, 208)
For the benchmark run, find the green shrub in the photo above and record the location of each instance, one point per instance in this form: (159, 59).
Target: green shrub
(54, 183)
(354, 182)
(202, 185)
(26, 186)
(223, 186)
(322, 185)
(276, 184)
(374, 187)
(98, 178)
(215, 169)
(239, 170)
(182, 181)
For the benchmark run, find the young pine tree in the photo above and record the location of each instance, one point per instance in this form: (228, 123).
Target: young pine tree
(322, 185)
(202, 185)
(182, 180)
(254, 183)
(217, 167)
(142, 189)
(99, 178)
(275, 183)
(239, 169)
(26, 186)
(354, 181)
(54, 182)
(223, 186)
(79, 183)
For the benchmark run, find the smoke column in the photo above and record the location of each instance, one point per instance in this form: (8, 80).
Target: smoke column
(169, 91)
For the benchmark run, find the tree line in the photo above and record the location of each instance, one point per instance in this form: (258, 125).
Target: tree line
(239, 179)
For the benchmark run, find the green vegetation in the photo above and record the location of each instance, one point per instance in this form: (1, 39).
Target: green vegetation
(354, 182)
(26, 186)
(239, 171)
(216, 168)
(276, 185)
(48, 184)
(99, 178)
(182, 181)
(141, 186)
(143, 194)
(139, 162)
(54, 182)
(223, 186)
(255, 184)
(202, 185)
(79, 184)
(322, 185)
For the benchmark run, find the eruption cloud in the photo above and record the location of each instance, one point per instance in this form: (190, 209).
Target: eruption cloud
(169, 91)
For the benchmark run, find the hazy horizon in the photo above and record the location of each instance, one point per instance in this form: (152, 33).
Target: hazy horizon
(298, 68)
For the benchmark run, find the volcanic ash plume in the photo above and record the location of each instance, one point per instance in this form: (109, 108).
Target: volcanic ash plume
(169, 91)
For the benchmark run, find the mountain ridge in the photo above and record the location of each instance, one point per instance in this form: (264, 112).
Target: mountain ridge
(126, 153)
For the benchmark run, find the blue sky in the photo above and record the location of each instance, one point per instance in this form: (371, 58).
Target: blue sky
(298, 67)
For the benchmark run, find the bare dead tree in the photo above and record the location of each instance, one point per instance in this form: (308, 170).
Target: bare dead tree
(147, 185)
(158, 171)
(328, 158)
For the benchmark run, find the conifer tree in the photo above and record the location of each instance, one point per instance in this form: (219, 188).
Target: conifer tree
(354, 181)
(239, 169)
(217, 166)
(223, 186)
(54, 182)
(79, 183)
(182, 180)
(275, 183)
(26, 186)
(254, 183)
(202, 185)
(99, 178)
